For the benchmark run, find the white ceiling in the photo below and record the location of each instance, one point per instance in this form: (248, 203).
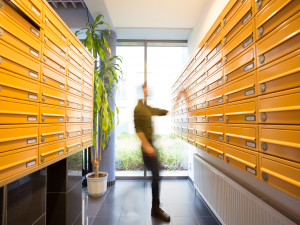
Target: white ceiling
(149, 19)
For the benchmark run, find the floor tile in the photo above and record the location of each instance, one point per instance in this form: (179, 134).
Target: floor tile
(106, 221)
(184, 221)
(132, 220)
(208, 220)
(181, 210)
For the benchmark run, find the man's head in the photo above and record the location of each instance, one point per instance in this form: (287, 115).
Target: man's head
(145, 90)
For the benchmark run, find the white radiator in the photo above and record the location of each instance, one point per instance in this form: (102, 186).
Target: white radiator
(231, 203)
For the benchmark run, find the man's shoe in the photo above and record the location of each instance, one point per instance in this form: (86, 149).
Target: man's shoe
(157, 212)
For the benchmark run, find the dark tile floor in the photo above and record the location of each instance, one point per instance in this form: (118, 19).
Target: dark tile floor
(129, 203)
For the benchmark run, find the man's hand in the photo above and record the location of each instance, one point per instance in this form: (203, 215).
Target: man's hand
(149, 150)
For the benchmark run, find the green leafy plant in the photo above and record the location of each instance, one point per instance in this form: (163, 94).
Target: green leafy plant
(106, 77)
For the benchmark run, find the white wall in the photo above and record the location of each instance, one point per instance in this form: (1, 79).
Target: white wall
(207, 17)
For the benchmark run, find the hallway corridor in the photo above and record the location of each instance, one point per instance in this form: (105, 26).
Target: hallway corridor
(129, 203)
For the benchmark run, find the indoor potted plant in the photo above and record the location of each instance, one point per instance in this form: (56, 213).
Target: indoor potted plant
(106, 76)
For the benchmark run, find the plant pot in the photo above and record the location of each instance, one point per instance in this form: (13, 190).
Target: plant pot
(96, 186)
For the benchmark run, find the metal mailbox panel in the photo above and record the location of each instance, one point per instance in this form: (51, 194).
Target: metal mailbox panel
(73, 116)
(17, 111)
(280, 140)
(230, 10)
(215, 114)
(273, 14)
(14, 60)
(88, 71)
(213, 33)
(53, 78)
(87, 81)
(260, 4)
(215, 97)
(280, 173)
(215, 80)
(17, 136)
(51, 151)
(87, 93)
(74, 101)
(215, 149)
(200, 89)
(241, 65)
(87, 105)
(281, 41)
(52, 114)
(74, 59)
(54, 60)
(191, 128)
(201, 129)
(244, 39)
(215, 131)
(200, 115)
(214, 64)
(52, 96)
(201, 143)
(73, 87)
(87, 58)
(87, 128)
(280, 75)
(74, 73)
(73, 130)
(55, 43)
(241, 88)
(73, 144)
(213, 48)
(76, 46)
(87, 117)
(52, 132)
(87, 140)
(15, 86)
(243, 159)
(281, 107)
(241, 112)
(240, 19)
(18, 161)
(201, 102)
(245, 136)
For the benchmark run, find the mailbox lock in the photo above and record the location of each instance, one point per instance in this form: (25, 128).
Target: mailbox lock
(262, 87)
(225, 59)
(205, 44)
(261, 59)
(227, 138)
(44, 98)
(265, 176)
(67, 149)
(68, 118)
(264, 146)
(1, 31)
(224, 39)
(226, 98)
(207, 149)
(260, 30)
(43, 139)
(258, 4)
(1, 4)
(68, 134)
(227, 118)
(46, 20)
(224, 20)
(42, 158)
(43, 118)
(226, 78)
(263, 116)
(0, 88)
(1, 60)
(44, 78)
(45, 39)
(227, 159)
(45, 58)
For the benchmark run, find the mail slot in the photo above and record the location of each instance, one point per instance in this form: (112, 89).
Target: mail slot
(52, 96)
(215, 131)
(54, 23)
(241, 88)
(280, 75)
(74, 59)
(73, 87)
(87, 58)
(32, 8)
(214, 64)
(87, 140)
(18, 136)
(74, 73)
(75, 46)
(87, 93)
(213, 47)
(15, 86)
(241, 65)
(201, 143)
(281, 107)
(51, 151)
(23, 37)
(54, 60)
(241, 135)
(215, 149)
(87, 128)
(230, 10)
(243, 40)
(201, 102)
(52, 132)
(200, 115)
(280, 173)
(281, 41)
(73, 144)
(215, 114)
(243, 159)
(241, 112)
(200, 72)
(53, 78)
(74, 101)
(87, 81)
(212, 33)
(87, 105)
(14, 111)
(281, 141)
(260, 4)
(273, 14)
(16, 61)
(73, 115)
(73, 130)
(87, 116)
(18, 161)
(200, 89)
(52, 114)
(55, 43)
(201, 129)
(215, 80)
(215, 97)
(88, 71)
(192, 128)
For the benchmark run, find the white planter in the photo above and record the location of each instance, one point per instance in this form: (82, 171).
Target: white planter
(96, 186)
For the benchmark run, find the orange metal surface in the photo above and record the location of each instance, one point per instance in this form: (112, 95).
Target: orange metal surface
(216, 149)
(214, 64)
(230, 10)
(74, 102)
(53, 78)
(87, 117)
(51, 150)
(215, 97)
(73, 144)
(215, 114)
(73, 87)
(52, 114)
(215, 80)
(54, 60)
(73, 116)
(52, 96)
(201, 143)
(73, 130)
(74, 73)
(55, 43)
(87, 128)
(87, 140)
(215, 131)
(51, 132)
